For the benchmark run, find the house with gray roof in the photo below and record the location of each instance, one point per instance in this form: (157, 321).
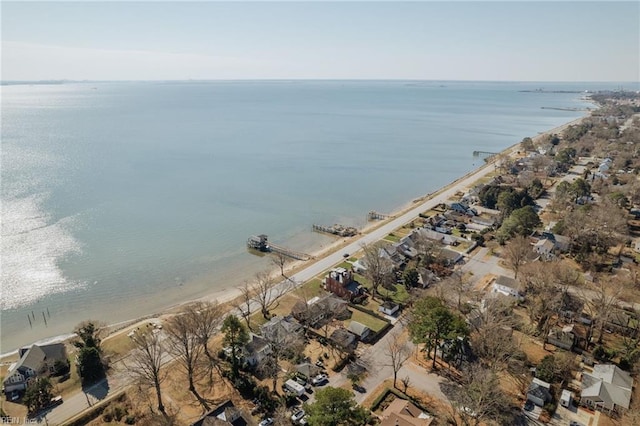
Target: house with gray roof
(224, 415)
(606, 388)
(256, 350)
(507, 286)
(362, 331)
(539, 392)
(563, 337)
(38, 360)
(319, 310)
(280, 327)
(343, 340)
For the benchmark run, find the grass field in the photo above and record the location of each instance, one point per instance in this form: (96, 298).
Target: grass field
(375, 324)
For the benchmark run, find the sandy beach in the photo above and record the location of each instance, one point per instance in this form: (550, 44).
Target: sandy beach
(329, 255)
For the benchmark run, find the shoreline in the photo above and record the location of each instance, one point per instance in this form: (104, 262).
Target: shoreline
(330, 254)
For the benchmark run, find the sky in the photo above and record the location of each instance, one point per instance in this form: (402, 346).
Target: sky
(424, 40)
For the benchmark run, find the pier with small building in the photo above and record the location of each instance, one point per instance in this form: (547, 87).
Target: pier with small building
(261, 243)
(373, 215)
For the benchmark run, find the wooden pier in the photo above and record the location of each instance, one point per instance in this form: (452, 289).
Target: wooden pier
(484, 153)
(261, 243)
(373, 215)
(339, 230)
(566, 109)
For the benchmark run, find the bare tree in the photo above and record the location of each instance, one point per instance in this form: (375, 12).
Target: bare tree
(206, 318)
(458, 285)
(544, 297)
(516, 252)
(427, 249)
(280, 260)
(244, 302)
(601, 302)
(406, 381)
(540, 162)
(145, 363)
(398, 352)
(283, 345)
(493, 340)
(479, 399)
(185, 346)
(379, 269)
(267, 292)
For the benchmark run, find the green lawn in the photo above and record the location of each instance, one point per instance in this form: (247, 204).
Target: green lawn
(375, 324)
(399, 295)
(310, 289)
(392, 238)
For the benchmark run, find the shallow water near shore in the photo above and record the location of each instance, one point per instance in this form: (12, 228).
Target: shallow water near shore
(120, 199)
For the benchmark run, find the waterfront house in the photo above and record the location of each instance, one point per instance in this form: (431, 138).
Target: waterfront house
(37, 360)
(606, 388)
(391, 252)
(539, 392)
(341, 282)
(506, 286)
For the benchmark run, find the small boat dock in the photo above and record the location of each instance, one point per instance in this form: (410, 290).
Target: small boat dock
(336, 229)
(373, 215)
(262, 244)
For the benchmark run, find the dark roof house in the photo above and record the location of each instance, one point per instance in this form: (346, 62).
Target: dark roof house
(223, 415)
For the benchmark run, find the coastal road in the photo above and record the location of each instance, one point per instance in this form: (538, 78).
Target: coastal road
(382, 231)
(403, 218)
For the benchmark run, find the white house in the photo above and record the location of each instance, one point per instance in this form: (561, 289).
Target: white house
(389, 308)
(34, 361)
(606, 388)
(507, 287)
(566, 398)
(256, 350)
(544, 248)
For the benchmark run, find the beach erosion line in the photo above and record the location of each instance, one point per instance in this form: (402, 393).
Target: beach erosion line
(228, 295)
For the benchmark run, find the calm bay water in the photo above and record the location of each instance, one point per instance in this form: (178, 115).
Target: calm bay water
(119, 199)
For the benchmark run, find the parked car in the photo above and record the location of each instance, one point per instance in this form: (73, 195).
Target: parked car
(345, 255)
(56, 400)
(319, 379)
(297, 416)
(266, 422)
